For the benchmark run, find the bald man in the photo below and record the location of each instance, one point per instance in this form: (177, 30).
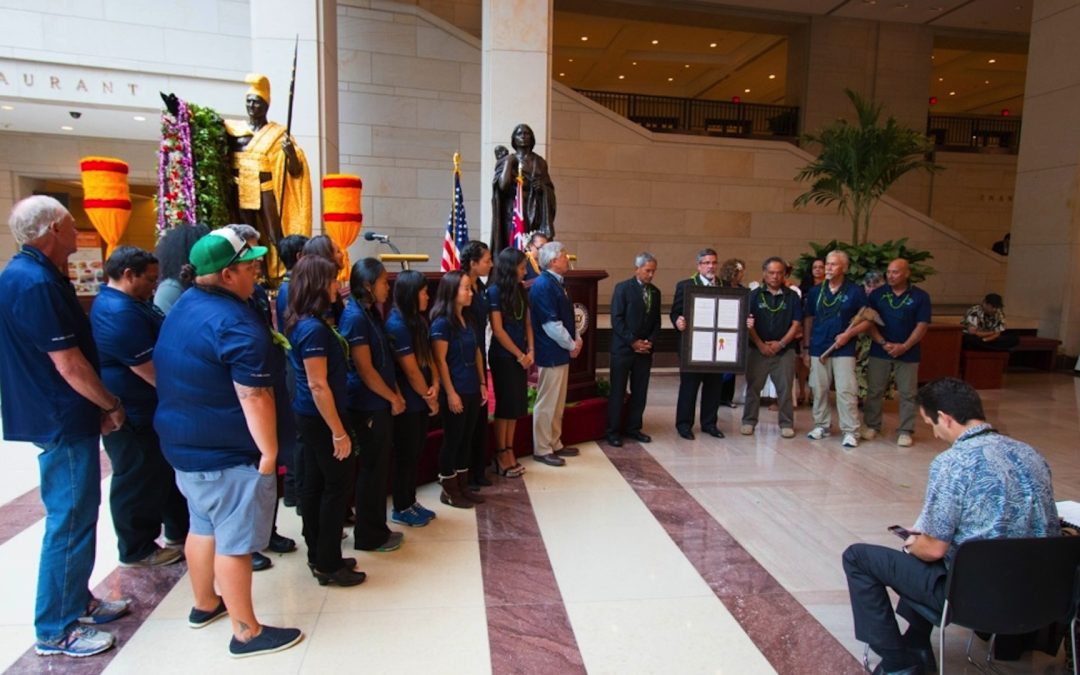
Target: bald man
(905, 311)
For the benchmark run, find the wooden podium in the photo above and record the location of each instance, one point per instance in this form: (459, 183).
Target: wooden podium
(581, 285)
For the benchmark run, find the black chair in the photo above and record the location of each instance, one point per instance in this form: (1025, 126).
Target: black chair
(1009, 587)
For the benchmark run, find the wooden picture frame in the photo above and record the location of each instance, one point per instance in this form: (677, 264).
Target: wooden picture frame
(716, 337)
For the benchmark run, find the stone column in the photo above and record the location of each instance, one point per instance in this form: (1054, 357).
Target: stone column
(1043, 283)
(516, 83)
(275, 25)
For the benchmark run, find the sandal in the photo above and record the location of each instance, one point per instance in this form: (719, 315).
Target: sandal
(513, 471)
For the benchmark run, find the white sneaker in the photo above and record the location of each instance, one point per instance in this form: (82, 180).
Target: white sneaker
(869, 434)
(851, 441)
(904, 440)
(747, 430)
(787, 432)
(817, 433)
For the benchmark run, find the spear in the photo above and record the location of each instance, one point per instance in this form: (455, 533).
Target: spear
(288, 134)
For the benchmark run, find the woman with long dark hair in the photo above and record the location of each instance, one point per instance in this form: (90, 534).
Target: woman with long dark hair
(408, 330)
(318, 357)
(510, 355)
(176, 273)
(476, 263)
(373, 401)
(464, 390)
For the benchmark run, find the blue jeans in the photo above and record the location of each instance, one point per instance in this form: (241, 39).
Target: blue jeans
(71, 490)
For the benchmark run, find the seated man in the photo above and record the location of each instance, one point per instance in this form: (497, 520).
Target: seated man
(984, 325)
(985, 486)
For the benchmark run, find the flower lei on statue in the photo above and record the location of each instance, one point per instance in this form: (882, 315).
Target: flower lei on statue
(192, 168)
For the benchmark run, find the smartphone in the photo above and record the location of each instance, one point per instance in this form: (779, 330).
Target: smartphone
(902, 532)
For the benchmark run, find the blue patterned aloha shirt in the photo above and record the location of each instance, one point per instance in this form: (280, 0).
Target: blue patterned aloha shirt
(988, 486)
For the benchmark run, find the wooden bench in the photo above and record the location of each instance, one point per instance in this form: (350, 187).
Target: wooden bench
(983, 369)
(1035, 352)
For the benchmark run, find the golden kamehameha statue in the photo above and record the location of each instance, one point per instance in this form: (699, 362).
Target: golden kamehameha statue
(265, 160)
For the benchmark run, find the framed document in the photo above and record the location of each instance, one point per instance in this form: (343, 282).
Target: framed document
(715, 338)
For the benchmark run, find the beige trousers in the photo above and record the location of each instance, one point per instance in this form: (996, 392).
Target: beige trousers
(841, 370)
(548, 411)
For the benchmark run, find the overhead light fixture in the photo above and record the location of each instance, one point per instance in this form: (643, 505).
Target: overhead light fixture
(633, 63)
(686, 65)
(952, 93)
(902, 5)
(746, 91)
(67, 128)
(622, 77)
(671, 79)
(656, 42)
(986, 81)
(991, 60)
(772, 77)
(562, 74)
(139, 118)
(712, 45)
(584, 38)
(941, 79)
(570, 60)
(7, 107)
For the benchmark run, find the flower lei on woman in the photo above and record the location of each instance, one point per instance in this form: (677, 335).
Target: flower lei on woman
(176, 175)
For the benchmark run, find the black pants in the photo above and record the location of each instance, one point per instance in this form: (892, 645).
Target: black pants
(870, 569)
(323, 493)
(410, 435)
(373, 431)
(727, 388)
(458, 433)
(634, 368)
(1001, 343)
(689, 383)
(292, 457)
(143, 493)
(478, 450)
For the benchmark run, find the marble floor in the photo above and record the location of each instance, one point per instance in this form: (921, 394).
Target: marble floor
(704, 556)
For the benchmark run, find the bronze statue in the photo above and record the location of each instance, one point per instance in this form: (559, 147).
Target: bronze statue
(538, 192)
(265, 160)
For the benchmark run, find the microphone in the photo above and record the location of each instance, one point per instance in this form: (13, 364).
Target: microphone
(375, 236)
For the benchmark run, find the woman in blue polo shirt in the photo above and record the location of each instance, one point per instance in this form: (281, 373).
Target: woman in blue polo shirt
(476, 263)
(373, 400)
(464, 390)
(510, 355)
(408, 330)
(318, 357)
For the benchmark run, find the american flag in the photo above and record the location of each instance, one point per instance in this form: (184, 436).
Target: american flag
(457, 229)
(518, 237)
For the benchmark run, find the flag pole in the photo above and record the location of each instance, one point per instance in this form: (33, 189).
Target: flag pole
(288, 135)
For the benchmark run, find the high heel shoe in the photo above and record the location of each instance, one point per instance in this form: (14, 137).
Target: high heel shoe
(344, 576)
(513, 471)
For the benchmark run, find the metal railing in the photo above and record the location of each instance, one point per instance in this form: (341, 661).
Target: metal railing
(974, 133)
(669, 114)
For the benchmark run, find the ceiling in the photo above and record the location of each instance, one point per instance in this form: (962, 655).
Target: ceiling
(52, 118)
(692, 53)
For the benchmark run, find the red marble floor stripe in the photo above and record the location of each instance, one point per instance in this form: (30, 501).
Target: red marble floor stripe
(146, 587)
(26, 509)
(792, 640)
(528, 628)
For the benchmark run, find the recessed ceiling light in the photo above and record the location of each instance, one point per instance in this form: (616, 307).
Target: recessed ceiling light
(902, 5)
(570, 60)
(991, 60)
(139, 118)
(936, 9)
(633, 63)
(952, 93)
(746, 91)
(686, 65)
(869, 2)
(712, 45)
(584, 38)
(671, 79)
(7, 107)
(986, 81)
(772, 77)
(941, 79)
(622, 77)
(67, 128)
(656, 42)
(562, 74)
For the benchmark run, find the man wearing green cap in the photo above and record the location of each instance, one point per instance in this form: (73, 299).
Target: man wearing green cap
(216, 366)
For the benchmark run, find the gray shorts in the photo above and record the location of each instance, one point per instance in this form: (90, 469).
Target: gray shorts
(235, 506)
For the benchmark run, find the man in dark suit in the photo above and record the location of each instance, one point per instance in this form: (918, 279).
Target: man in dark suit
(709, 383)
(635, 325)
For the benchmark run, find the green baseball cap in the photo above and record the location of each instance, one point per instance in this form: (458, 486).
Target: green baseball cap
(221, 248)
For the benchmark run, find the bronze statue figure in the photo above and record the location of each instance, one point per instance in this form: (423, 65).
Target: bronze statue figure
(538, 192)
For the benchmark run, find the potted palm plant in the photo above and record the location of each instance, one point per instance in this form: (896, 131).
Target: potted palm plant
(860, 162)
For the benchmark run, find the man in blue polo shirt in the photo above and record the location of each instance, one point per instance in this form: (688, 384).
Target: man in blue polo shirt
(905, 311)
(53, 397)
(217, 369)
(830, 307)
(143, 493)
(556, 343)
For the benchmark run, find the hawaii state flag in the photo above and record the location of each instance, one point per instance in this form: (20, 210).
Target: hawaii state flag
(457, 229)
(517, 236)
